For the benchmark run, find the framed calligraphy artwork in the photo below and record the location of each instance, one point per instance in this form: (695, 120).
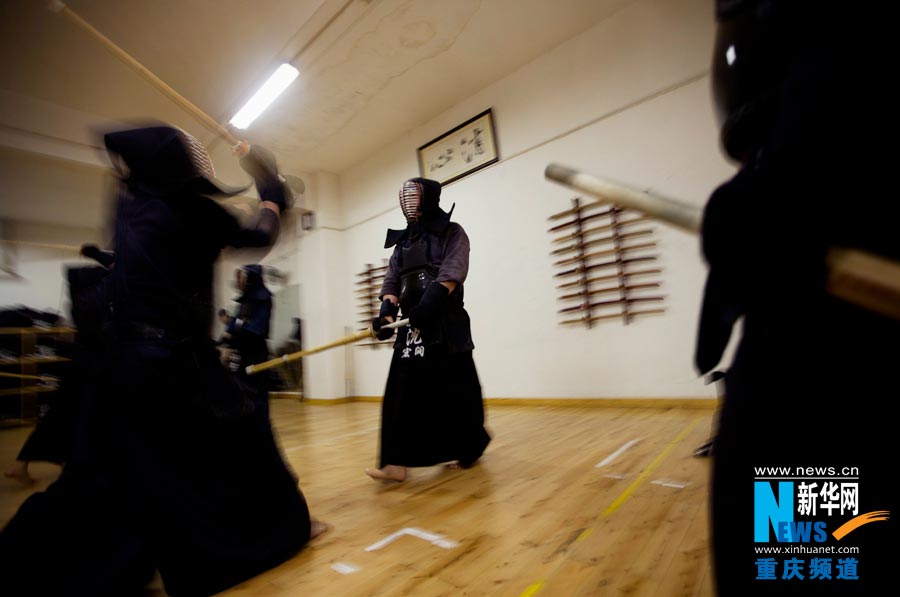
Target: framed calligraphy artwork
(461, 151)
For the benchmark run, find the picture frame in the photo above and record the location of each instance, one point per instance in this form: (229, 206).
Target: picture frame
(460, 151)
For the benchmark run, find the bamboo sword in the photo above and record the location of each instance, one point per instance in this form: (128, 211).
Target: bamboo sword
(293, 356)
(865, 279)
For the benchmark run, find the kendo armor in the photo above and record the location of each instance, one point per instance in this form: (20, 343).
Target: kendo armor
(417, 247)
(416, 271)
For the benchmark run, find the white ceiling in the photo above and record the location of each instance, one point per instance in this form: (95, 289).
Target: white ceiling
(371, 70)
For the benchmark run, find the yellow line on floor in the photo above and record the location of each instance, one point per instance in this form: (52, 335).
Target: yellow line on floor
(646, 472)
(533, 588)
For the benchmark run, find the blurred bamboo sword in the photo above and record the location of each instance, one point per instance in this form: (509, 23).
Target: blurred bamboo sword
(293, 356)
(865, 279)
(295, 183)
(60, 7)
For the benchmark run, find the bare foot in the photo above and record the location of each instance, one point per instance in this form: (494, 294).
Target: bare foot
(454, 466)
(316, 528)
(19, 472)
(389, 472)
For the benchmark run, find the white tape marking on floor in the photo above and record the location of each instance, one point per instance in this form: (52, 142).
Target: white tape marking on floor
(667, 483)
(432, 538)
(616, 454)
(614, 476)
(385, 541)
(344, 568)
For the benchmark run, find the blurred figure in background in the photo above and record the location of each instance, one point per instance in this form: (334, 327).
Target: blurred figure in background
(61, 414)
(222, 343)
(50, 438)
(248, 334)
(248, 330)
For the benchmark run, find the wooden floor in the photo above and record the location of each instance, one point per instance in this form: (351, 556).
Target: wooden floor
(566, 501)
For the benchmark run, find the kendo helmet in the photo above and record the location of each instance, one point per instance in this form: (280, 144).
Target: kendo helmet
(419, 197)
(164, 158)
(750, 59)
(249, 277)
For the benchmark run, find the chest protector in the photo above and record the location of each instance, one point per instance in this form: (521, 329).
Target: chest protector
(416, 270)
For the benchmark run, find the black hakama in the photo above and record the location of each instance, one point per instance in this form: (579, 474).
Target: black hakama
(433, 410)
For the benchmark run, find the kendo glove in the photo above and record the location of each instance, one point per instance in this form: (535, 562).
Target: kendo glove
(388, 309)
(429, 306)
(260, 164)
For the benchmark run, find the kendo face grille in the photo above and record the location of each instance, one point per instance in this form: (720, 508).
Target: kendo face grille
(199, 156)
(410, 200)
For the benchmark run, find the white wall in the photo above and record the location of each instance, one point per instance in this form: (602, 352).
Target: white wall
(629, 100)
(38, 283)
(324, 289)
(71, 200)
(38, 254)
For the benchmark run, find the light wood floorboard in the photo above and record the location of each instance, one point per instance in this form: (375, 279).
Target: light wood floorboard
(535, 517)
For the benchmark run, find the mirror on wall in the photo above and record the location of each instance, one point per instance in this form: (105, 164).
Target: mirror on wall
(286, 336)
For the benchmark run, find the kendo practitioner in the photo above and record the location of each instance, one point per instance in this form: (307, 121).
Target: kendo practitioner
(178, 476)
(798, 87)
(248, 332)
(432, 410)
(48, 441)
(56, 429)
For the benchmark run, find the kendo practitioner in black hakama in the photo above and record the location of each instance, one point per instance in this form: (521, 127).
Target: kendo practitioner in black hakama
(175, 474)
(798, 86)
(248, 333)
(247, 336)
(433, 410)
(48, 441)
(55, 430)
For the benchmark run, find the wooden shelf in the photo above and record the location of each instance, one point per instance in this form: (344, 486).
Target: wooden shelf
(27, 390)
(4, 423)
(33, 360)
(19, 402)
(37, 331)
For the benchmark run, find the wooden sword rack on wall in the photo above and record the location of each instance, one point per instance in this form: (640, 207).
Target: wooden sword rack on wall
(606, 262)
(368, 285)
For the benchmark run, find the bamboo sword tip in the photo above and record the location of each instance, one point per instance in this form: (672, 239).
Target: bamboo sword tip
(558, 172)
(56, 6)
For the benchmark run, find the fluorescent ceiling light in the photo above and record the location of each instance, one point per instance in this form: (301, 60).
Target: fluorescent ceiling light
(272, 88)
